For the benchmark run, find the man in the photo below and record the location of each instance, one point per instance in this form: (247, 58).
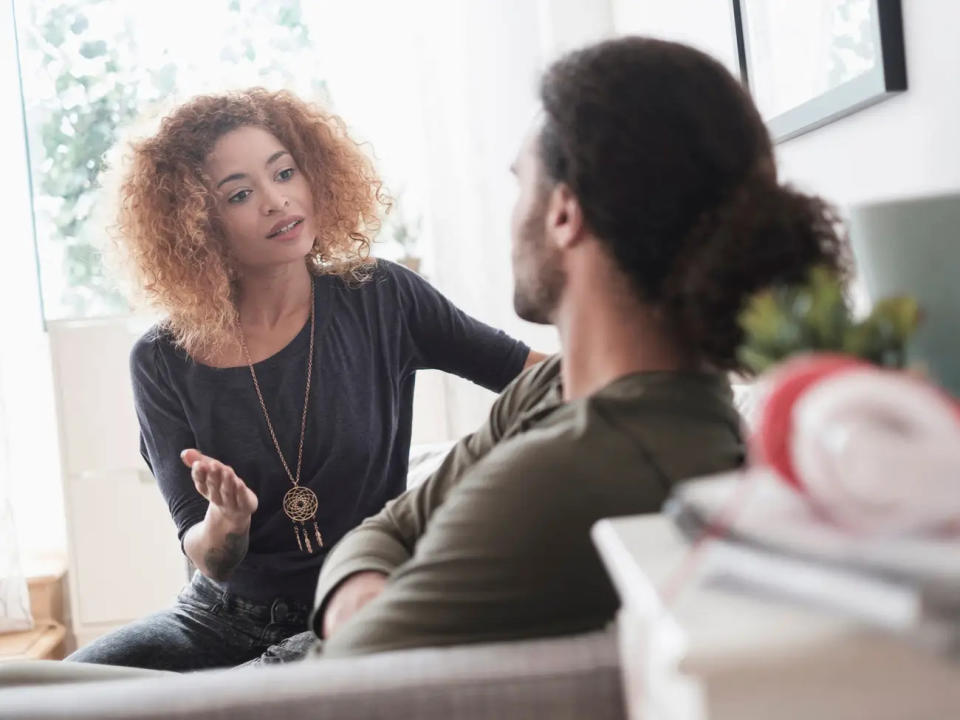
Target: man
(648, 212)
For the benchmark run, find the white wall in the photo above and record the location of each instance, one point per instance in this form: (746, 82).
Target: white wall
(907, 145)
(25, 371)
(705, 24)
(569, 24)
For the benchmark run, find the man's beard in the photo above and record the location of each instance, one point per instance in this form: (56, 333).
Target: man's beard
(539, 278)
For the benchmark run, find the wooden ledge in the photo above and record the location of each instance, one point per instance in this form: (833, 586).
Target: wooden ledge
(44, 642)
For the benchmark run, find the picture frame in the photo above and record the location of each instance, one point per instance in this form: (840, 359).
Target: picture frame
(812, 62)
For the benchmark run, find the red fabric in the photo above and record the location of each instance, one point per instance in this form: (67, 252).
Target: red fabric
(770, 443)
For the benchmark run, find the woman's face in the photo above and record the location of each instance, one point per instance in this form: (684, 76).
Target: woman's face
(263, 199)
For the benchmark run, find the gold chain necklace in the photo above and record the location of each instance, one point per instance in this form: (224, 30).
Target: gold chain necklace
(300, 503)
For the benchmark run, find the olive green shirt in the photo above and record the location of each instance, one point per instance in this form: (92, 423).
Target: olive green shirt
(495, 544)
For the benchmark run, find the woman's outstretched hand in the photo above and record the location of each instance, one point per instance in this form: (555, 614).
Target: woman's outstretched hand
(220, 485)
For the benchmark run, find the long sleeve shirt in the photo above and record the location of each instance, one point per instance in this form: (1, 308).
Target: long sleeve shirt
(370, 341)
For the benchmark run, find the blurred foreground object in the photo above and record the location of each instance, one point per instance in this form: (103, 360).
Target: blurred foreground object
(873, 448)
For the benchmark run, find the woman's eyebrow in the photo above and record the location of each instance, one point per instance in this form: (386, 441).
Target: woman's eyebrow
(276, 156)
(228, 178)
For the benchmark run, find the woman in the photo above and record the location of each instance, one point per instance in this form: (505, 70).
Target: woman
(275, 399)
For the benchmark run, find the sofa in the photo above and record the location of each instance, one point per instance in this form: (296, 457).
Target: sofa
(556, 678)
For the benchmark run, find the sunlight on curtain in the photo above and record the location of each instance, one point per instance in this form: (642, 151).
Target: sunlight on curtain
(14, 600)
(31, 467)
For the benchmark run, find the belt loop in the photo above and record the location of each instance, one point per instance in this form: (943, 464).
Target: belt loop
(278, 611)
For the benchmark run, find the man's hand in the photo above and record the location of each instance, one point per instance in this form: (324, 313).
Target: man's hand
(221, 486)
(353, 593)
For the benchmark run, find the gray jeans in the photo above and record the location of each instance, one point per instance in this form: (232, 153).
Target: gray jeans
(207, 628)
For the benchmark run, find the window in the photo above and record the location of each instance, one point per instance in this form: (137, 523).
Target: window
(92, 69)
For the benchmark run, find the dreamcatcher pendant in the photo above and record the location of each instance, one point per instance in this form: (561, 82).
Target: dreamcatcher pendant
(300, 504)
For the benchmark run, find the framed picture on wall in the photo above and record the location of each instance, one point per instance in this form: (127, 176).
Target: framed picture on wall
(809, 63)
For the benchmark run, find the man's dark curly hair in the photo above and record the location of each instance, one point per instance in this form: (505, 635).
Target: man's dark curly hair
(674, 170)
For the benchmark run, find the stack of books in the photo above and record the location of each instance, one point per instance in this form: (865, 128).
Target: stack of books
(764, 537)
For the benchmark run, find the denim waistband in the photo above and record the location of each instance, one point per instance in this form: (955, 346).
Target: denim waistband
(277, 609)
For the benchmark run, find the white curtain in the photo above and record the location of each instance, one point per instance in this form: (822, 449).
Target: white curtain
(14, 600)
(29, 457)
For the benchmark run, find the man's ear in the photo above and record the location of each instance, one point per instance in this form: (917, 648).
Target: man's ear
(564, 217)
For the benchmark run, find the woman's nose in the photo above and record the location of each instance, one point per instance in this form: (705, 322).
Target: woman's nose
(274, 202)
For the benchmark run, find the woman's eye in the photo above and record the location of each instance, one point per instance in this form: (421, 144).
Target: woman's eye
(285, 174)
(238, 197)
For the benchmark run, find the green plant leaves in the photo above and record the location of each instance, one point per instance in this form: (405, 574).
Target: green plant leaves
(814, 317)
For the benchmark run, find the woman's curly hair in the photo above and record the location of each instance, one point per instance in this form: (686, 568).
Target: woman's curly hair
(168, 233)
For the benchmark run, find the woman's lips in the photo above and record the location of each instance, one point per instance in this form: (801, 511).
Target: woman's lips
(286, 230)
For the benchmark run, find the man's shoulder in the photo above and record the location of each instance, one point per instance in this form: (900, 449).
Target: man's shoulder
(532, 383)
(560, 470)
(530, 389)
(568, 441)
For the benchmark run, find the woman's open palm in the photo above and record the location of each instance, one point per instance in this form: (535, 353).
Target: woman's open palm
(220, 485)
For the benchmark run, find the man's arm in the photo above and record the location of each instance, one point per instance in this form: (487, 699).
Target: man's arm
(386, 541)
(508, 555)
(356, 569)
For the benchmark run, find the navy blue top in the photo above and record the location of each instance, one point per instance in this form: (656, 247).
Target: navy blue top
(370, 340)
